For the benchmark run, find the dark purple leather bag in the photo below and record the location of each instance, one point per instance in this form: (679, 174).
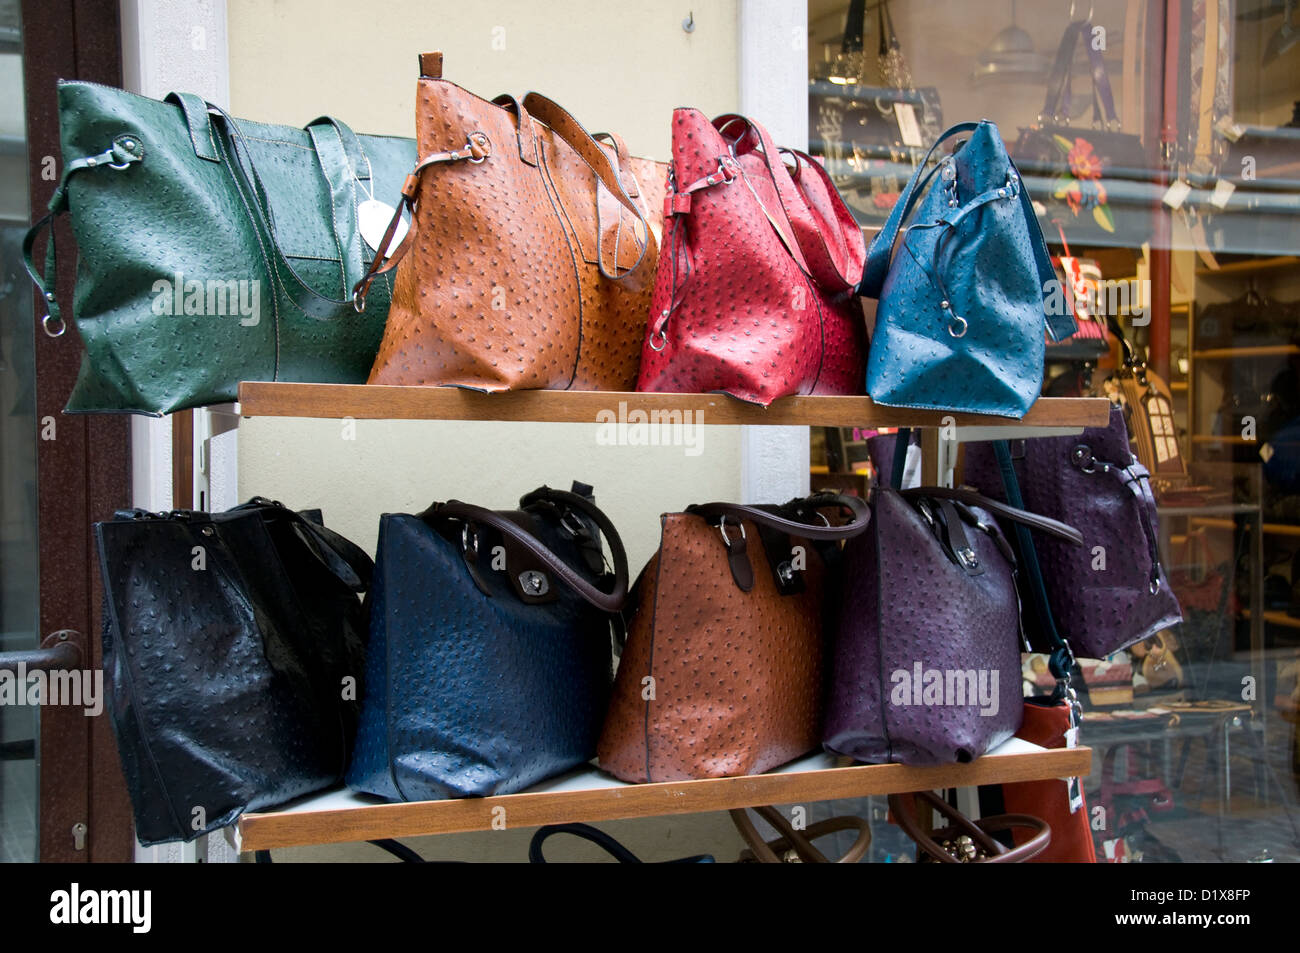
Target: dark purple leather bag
(926, 657)
(1111, 591)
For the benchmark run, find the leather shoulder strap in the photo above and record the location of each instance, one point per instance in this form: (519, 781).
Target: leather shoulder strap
(877, 264)
(588, 149)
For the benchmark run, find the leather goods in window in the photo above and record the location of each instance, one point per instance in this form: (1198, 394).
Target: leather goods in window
(754, 295)
(233, 652)
(963, 841)
(926, 665)
(723, 670)
(490, 646)
(1113, 590)
(1094, 179)
(965, 295)
(531, 254)
(212, 250)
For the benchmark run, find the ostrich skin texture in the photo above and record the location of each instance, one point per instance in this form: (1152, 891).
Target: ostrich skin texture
(502, 288)
(738, 676)
(1099, 605)
(738, 307)
(905, 601)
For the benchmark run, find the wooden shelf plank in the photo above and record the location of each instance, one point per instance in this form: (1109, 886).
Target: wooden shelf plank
(590, 795)
(1270, 529)
(374, 401)
(1251, 266)
(1230, 353)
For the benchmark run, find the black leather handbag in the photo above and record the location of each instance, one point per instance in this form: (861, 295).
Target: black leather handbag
(233, 651)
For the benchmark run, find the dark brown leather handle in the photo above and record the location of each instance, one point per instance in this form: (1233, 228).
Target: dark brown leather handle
(979, 831)
(801, 842)
(608, 601)
(1043, 524)
(738, 511)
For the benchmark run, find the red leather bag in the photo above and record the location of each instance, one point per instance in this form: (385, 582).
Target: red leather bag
(1049, 725)
(755, 292)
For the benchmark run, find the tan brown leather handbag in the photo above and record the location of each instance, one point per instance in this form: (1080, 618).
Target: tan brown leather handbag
(531, 253)
(722, 673)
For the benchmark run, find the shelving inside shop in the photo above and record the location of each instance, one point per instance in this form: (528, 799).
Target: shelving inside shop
(589, 795)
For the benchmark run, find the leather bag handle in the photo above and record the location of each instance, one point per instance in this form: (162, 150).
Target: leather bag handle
(1058, 80)
(1043, 524)
(602, 840)
(337, 170)
(801, 842)
(978, 831)
(773, 520)
(562, 123)
(833, 272)
(607, 601)
(878, 254)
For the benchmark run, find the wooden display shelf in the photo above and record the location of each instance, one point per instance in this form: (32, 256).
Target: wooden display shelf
(376, 401)
(1232, 353)
(590, 795)
(1250, 267)
(1270, 529)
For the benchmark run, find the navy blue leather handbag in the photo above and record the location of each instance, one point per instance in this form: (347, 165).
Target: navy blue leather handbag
(491, 654)
(965, 297)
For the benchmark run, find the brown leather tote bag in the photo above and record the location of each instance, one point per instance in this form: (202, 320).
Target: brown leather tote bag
(723, 673)
(531, 253)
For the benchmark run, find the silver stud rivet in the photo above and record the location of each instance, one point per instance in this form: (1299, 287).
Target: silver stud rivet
(49, 296)
(90, 162)
(944, 304)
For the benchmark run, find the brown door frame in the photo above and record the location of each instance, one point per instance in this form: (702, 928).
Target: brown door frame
(83, 474)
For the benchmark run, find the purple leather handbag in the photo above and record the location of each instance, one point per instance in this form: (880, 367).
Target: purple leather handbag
(926, 657)
(1112, 591)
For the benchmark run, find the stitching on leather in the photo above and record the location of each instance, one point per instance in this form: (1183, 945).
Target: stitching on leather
(278, 280)
(564, 211)
(334, 222)
(388, 673)
(270, 269)
(880, 636)
(311, 258)
(654, 615)
(277, 142)
(208, 127)
(544, 171)
(617, 179)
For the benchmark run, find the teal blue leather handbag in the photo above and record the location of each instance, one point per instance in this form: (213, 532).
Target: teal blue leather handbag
(965, 297)
(212, 249)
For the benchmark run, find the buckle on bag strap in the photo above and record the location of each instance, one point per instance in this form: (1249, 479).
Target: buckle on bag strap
(125, 150)
(477, 148)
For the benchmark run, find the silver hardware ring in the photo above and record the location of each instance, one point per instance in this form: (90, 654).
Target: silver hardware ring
(722, 528)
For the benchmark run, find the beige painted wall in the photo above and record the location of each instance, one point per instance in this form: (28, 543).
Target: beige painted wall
(620, 65)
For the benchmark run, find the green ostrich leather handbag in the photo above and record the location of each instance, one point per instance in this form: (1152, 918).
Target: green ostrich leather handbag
(212, 249)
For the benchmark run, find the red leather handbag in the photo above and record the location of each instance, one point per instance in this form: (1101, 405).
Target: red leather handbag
(754, 295)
